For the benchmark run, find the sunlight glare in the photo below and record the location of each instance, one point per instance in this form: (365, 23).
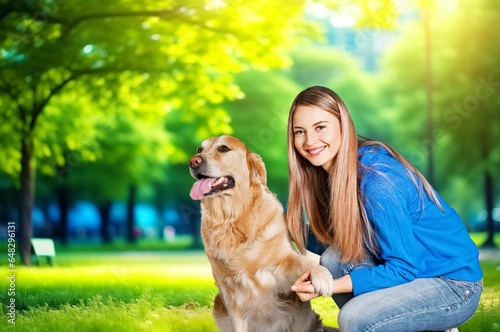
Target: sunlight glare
(339, 20)
(88, 48)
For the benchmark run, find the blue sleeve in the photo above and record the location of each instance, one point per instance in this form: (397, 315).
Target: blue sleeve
(388, 194)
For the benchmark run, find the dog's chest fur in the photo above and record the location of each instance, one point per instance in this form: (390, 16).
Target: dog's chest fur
(241, 255)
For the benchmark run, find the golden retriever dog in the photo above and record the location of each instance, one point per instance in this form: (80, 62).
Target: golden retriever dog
(246, 239)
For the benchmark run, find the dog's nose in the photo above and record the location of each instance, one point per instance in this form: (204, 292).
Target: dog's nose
(195, 161)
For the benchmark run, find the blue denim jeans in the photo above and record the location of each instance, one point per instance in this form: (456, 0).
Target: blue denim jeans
(424, 304)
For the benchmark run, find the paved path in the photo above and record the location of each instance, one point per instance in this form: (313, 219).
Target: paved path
(489, 254)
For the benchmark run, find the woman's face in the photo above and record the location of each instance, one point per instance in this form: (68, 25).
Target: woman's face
(316, 135)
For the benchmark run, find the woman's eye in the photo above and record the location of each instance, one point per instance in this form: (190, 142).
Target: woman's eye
(298, 132)
(223, 148)
(199, 149)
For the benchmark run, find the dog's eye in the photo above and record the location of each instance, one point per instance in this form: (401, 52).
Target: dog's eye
(199, 149)
(223, 148)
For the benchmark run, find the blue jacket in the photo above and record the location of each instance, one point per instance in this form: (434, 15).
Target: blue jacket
(415, 238)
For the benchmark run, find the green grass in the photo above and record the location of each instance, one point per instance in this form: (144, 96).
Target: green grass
(128, 291)
(150, 290)
(171, 279)
(143, 314)
(181, 242)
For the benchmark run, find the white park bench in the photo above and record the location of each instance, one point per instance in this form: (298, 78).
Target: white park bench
(42, 247)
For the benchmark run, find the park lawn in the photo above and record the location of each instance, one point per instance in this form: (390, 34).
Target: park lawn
(151, 291)
(124, 291)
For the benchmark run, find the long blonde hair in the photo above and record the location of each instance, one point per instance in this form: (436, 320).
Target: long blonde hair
(332, 201)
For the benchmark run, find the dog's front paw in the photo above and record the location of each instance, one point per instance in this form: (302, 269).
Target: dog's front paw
(322, 280)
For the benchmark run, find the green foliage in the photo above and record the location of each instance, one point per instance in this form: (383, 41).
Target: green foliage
(260, 121)
(403, 86)
(338, 70)
(469, 111)
(319, 65)
(144, 57)
(121, 59)
(166, 55)
(465, 98)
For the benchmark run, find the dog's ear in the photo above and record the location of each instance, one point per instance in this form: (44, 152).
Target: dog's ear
(256, 168)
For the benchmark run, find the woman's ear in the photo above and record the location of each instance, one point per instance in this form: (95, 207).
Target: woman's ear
(257, 169)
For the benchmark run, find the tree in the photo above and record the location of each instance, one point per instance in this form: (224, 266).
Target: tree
(466, 119)
(182, 54)
(471, 114)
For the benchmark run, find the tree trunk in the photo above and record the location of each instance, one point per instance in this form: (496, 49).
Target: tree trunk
(27, 200)
(191, 215)
(131, 231)
(490, 223)
(429, 94)
(48, 227)
(104, 213)
(195, 226)
(159, 202)
(63, 200)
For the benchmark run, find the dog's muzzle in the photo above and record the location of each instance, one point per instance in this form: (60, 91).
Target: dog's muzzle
(206, 185)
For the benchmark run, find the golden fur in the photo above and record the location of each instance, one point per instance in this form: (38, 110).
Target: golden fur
(247, 243)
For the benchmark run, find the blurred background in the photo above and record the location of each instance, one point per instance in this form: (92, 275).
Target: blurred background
(103, 102)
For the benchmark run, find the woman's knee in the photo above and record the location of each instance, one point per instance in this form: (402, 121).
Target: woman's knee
(352, 320)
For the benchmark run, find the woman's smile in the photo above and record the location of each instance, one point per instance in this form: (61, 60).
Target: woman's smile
(316, 151)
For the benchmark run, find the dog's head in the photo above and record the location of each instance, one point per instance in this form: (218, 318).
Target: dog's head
(223, 165)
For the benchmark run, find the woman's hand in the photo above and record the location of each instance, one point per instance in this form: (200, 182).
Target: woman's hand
(304, 288)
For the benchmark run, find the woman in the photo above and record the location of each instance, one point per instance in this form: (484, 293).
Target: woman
(400, 257)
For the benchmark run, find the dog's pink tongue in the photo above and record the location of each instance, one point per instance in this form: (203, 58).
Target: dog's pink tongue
(200, 188)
